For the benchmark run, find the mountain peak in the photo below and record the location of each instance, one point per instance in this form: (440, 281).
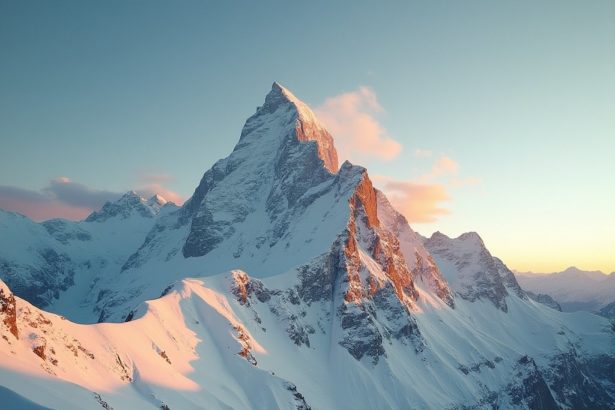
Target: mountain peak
(130, 196)
(279, 92)
(157, 200)
(307, 127)
(126, 205)
(472, 237)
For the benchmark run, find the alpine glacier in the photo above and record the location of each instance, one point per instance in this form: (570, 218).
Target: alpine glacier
(285, 281)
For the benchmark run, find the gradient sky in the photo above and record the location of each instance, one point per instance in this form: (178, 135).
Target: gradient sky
(496, 117)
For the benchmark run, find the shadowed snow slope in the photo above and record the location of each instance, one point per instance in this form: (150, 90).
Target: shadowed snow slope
(313, 291)
(233, 341)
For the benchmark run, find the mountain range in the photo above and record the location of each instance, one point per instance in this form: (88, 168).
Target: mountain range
(573, 289)
(285, 281)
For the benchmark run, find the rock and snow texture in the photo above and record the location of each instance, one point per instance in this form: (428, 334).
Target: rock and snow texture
(573, 289)
(544, 299)
(42, 261)
(608, 310)
(312, 292)
(234, 341)
(419, 260)
(471, 270)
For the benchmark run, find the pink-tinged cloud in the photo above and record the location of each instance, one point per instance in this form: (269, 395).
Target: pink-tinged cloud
(418, 202)
(351, 119)
(64, 198)
(421, 200)
(38, 206)
(150, 190)
(150, 184)
(444, 166)
(458, 182)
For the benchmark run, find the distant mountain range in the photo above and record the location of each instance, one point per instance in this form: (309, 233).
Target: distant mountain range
(285, 281)
(573, 289)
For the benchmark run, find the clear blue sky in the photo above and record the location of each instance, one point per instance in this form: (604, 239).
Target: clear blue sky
(521, 95)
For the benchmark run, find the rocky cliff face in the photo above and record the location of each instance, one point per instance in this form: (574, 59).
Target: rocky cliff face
(418, 259)
(8, 313)
(545, 300)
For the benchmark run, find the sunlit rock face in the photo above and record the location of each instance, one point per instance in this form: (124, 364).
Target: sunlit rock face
(8, 313)
(418, 259)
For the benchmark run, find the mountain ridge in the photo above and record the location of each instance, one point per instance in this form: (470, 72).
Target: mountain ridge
(574, 289)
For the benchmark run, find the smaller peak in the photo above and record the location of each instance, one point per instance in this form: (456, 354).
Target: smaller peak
(278, 96)
(349, 170)
(124, 206)
(437, 235)
(470, 236)
(157, 200)
(280, 89)
(277, 87)
(130, 195)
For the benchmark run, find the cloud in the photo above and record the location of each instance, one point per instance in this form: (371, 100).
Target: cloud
(351, 119)
(37, 205)
(78, 195)
(418, 202)
(152, 189)
(151, 184)
(421, 200)
(64, 198)
(457, 182)
(444, 166)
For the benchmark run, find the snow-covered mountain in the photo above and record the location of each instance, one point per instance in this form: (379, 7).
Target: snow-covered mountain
(573, 289)
(285, 281)
(56, 264)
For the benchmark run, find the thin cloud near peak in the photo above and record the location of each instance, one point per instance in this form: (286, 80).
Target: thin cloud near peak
(352, 120)
(64, 198)
(418, 202)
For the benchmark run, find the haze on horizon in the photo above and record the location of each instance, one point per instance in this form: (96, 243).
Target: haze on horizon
(494, 118)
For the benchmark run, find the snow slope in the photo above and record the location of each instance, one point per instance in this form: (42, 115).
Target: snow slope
(230, 341)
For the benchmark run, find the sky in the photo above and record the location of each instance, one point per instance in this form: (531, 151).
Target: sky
(494, 117)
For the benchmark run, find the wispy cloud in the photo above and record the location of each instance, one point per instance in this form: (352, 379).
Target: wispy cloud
(150, 184)
(74, 194)
(426, 198)
(64, 198)
(444, 166)
(418, 202)
(352, 120)
(38, 205)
